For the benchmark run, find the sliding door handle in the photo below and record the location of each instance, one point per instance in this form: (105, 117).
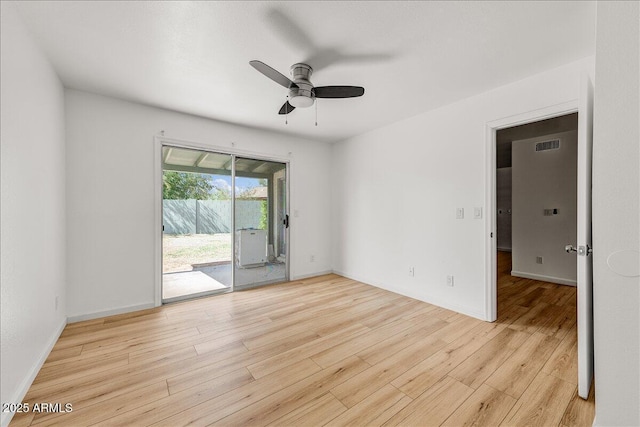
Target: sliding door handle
(285, 221)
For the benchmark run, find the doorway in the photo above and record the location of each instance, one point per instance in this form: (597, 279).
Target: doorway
(222, 222)
(536, 200)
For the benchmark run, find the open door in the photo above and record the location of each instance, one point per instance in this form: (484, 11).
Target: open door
(583, 250)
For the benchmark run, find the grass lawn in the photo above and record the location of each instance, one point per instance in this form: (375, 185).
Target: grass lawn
(180, 251)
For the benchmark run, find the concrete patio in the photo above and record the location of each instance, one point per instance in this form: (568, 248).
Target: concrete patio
(218, 278)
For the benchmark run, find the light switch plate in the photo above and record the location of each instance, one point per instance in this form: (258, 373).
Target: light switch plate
(477, 213)
(459, 213)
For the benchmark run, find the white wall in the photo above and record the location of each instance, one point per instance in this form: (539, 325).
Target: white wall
(32, 220)
(396, 190)
(110, 156)
(504, 211)
(545, 180)
(616, 214)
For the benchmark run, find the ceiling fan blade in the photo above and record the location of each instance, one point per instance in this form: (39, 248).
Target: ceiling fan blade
(286, 108)
(338, 91)
(273, 74)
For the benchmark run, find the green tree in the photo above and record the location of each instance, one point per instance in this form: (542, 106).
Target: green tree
(263, 215)
(220, 193)
(185, 185)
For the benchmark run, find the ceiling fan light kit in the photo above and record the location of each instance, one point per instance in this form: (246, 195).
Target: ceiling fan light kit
(302, 93)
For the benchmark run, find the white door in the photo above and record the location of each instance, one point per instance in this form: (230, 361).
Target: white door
(583, 249)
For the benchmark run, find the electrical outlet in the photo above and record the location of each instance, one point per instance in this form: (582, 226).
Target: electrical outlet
(538, 260)
(450, 281)
(411, 271)
(312, 258)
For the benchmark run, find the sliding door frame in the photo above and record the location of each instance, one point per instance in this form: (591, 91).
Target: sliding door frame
(162, 141)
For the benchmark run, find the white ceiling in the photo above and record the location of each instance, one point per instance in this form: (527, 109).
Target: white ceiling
(410, 57)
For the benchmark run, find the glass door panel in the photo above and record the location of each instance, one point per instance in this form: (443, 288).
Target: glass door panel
(197, 227)
(260, 222)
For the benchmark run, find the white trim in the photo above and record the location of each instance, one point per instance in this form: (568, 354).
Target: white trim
(491, 294)
(112, 312)
(306, 276)
(232, 226)
(491, 239)
(26, 383)
(182, 143)
(157, 220)
(542, 278)
(287, 175)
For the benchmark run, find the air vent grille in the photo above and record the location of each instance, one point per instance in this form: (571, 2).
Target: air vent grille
(554, 144)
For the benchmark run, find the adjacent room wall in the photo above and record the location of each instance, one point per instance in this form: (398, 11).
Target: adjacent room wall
(396, 190)
(32, 223)
(504, 210)
(545, 180)
(110, 156)
(616, 215)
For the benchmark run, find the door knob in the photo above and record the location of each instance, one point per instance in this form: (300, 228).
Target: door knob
(570, 248)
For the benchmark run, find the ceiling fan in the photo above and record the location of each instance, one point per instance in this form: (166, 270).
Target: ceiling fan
(302, 93)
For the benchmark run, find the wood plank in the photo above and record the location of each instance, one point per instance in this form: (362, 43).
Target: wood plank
(580, 412)
(360, 386)
(314, 413)
(517, 372)
(485, 407)
(431, 370)
(481, 364)
(381, 350)
(542, 404)
(358, 343)
(249, 358)
(91, 414)
(74, 370)
(434, 406)
(274, 401)
(563, 363)
(375, 409)
(63, 354)
(559, 325)
(286, 358)
(225, 393)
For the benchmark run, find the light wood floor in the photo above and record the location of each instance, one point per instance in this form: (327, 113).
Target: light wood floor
(322, 351)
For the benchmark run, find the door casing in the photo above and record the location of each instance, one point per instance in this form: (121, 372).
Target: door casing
(491, 287)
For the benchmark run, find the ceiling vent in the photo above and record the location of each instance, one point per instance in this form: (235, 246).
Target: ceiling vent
(554, 144)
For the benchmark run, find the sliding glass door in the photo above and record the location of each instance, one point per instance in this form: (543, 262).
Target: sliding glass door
(260, 222)
(224, 222)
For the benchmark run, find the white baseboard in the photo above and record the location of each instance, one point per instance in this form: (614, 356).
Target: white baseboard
(306, 276)
(540, 277)
(121, 310)
(6, 417)
(435, 301)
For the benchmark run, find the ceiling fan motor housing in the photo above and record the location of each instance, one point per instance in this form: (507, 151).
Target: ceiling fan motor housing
(301, 96)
